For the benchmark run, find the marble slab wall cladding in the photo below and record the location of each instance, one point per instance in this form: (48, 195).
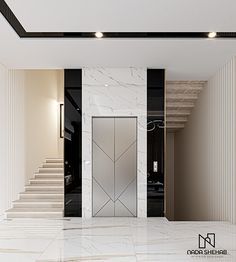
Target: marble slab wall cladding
(114, 92)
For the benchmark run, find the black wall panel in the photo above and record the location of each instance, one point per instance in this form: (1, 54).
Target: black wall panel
(73, 142)
(155, 142)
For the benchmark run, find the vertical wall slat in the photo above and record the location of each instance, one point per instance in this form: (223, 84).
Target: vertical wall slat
(12, 126)
(212, 123)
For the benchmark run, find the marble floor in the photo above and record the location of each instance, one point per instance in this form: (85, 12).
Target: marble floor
(110, 239)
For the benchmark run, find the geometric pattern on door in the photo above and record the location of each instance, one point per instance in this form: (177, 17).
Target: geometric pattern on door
(114, 166)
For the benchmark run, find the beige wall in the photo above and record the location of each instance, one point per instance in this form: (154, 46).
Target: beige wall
(205, 153)
(42, 91)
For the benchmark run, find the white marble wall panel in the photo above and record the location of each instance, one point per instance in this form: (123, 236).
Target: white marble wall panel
(113, 92)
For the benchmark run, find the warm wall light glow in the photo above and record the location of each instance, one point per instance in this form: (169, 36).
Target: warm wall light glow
(212, 34)
(99, 34)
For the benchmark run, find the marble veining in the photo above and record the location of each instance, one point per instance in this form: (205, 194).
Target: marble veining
(113, 92)
(109, 239)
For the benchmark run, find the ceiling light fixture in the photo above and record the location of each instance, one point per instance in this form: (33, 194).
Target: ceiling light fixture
(99, 34)
(212, 35)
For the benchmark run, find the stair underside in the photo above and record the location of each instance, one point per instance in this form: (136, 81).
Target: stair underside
(181, 97)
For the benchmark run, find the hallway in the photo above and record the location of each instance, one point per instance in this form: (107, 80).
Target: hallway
(109, 239)
(118, 131)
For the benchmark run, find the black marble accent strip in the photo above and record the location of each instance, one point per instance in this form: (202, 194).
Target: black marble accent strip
(19, 29)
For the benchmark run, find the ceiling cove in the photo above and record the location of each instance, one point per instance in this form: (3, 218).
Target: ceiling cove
(22, 33)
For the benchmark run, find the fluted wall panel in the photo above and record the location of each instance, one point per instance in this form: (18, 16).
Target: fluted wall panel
(205, 153)
(12, 160)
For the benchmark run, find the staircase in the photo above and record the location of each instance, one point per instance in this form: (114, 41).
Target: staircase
(181, 97)
(44, 195)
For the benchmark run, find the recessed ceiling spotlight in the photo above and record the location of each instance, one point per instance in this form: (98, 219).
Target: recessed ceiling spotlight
(99, 34)
(106, 85)
(212, 34)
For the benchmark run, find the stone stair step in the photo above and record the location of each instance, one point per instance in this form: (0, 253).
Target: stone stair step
(38, 204)
(32, 200)
(49, 175)
(41, 195)
(54, 160)
(34, 213)
(53, 165)
(38, 191)
(44, 188)
(44, 195)
(34, 210)
(46, 182)
(50, 170)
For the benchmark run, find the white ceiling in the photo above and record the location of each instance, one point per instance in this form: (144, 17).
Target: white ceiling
(183, 59)
(125, 15)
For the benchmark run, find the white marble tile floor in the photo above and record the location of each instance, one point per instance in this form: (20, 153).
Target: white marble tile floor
(110, 239)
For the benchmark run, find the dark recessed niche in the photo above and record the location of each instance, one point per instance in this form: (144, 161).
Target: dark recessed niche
(73, 142)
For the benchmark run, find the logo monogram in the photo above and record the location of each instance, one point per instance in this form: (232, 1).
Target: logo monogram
(209, 239)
